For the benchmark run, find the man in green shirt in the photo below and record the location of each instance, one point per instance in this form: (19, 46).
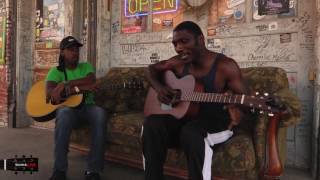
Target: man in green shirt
(68, 78)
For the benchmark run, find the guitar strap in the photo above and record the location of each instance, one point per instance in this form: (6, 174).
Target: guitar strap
(65, 74)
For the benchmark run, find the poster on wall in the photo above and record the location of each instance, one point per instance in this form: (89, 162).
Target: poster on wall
(257, 17)
(51, 25)
(270, 7)
(2, 38)
(3, 14)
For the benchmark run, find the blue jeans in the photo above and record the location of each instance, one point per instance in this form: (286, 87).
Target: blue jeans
(70, 118)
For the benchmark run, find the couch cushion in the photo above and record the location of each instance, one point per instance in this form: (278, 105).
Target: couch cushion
(237, 154)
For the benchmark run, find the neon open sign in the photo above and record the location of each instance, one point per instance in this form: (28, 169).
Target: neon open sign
(141, 7)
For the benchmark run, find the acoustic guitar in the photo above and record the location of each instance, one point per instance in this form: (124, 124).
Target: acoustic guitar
(41, 111)
(190, 93)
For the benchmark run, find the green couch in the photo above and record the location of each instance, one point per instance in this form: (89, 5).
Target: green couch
(242, 157)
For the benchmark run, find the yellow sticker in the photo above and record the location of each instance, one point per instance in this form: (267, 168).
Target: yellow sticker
(49, 44)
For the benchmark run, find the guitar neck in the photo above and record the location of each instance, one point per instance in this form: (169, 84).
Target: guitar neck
(213, 97)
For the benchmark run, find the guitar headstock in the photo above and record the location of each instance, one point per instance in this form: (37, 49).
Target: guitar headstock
(23, 164)
(265, 103)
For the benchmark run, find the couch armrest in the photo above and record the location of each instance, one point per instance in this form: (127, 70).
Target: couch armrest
(293, 104)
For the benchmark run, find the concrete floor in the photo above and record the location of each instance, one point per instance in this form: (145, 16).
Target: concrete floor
(39, 143)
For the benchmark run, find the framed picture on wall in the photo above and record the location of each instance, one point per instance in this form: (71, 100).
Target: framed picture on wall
(271, 7)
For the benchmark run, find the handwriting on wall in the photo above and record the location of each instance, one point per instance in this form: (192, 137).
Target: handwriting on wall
(264, 48)
(145, 53)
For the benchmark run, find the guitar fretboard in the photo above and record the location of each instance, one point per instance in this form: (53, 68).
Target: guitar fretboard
(213, 97)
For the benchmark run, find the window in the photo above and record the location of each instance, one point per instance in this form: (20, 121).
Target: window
(49, 20)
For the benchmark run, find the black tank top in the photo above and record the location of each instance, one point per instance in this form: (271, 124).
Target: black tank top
(211, 115)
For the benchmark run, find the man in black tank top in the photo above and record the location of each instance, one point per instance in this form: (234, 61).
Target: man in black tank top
(214, 123)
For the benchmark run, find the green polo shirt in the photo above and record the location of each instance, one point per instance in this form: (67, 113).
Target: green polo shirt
(81, 71)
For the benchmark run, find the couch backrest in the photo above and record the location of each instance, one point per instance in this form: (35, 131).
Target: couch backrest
(262, 79)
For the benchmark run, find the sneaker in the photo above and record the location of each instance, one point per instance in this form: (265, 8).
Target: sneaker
(58, 175)
(92, 176)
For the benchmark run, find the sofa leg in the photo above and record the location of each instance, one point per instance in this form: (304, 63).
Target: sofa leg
(272, 167)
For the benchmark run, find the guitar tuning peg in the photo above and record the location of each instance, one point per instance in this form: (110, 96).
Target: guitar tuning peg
(270, 114)
(30, 172)
(15, 172)
(252, 110)
(30, 156)
(257, 93)
(23, 156)
(266, 94)
(261, 112)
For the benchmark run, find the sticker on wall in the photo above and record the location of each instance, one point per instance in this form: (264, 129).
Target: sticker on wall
(228, 12)
(156, 21)
(211, 31)
(233, 3)
(214, 43)
(238, 15)
(210, 43)
(154, 58)
(49, 44)
(285, 38)
(167, 23)
(115, 27)
(273, 26)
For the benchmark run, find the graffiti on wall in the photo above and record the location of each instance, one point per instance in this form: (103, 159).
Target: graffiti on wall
(145, 53)
(266, 48)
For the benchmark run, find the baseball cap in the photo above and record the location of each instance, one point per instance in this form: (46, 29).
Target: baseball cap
(69, 41)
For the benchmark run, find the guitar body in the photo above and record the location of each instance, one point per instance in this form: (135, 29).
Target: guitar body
(183, 108)
(41, 111)
(191, 91)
